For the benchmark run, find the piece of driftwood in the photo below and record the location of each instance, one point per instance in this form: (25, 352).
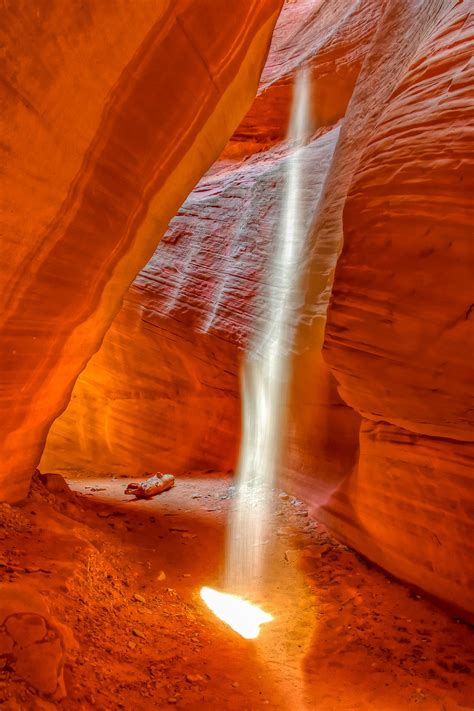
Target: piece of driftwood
(156, 484)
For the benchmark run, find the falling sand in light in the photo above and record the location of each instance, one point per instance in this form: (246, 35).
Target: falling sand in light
(266, 369)
(264, 392)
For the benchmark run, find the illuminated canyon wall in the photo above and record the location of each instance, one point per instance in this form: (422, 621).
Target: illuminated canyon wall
(400, 331)
(163, 391)
(380, 435)
(111, 113)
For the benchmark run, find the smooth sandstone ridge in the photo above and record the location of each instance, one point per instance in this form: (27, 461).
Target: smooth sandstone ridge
(100, 147)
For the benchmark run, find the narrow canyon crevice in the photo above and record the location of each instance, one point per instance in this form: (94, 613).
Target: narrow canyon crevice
(170, 362)
(145, 155)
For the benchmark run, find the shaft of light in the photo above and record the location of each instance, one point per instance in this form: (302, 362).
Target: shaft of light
(266, 369)
(243, 617)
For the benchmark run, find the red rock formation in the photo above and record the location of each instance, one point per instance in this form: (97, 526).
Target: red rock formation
(402, 311)
(32, 639)
(101, 146)
(397, 188)
(332, 39)
(163, 392)
(408, 507)
(400, 331)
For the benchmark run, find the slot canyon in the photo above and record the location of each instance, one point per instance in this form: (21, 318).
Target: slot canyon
(237, 246)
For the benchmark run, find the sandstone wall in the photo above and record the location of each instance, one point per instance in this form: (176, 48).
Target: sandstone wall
(380, 433)
(163, 391)
(111, 113)
(400, 331)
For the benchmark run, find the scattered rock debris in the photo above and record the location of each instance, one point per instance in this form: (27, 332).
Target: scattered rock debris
(119, 639)
(194, 678)
(55, 483)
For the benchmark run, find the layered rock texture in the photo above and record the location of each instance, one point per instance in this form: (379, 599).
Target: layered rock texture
(112, 112)
(163, 391)
(400, 332)
(380, 432)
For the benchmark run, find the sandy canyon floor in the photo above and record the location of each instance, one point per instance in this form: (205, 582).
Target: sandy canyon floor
(124, 578)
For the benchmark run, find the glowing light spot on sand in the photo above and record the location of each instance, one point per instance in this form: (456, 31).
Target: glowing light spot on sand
(243, 617)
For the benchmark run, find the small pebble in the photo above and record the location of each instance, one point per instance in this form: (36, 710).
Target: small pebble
(139, 598)
(194, 678)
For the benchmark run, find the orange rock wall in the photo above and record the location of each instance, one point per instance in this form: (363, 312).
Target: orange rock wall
(100, 147)
(400, 331)
(163, 391)
(331, 38)
(380, 432)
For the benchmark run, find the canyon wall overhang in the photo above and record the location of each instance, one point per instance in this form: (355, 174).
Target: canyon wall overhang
(111, 112)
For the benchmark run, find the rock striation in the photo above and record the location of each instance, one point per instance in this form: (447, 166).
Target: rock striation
(163, 391)
(380, 423)
(100, 147)
(400, 330)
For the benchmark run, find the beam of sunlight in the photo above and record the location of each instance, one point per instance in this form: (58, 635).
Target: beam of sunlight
(266, 369)
(243, 617)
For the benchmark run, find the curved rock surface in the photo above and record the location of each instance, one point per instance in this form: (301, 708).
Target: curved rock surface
(331, 38)
(163, 391)
(400, 331)
(100, 147)
(389, 464)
